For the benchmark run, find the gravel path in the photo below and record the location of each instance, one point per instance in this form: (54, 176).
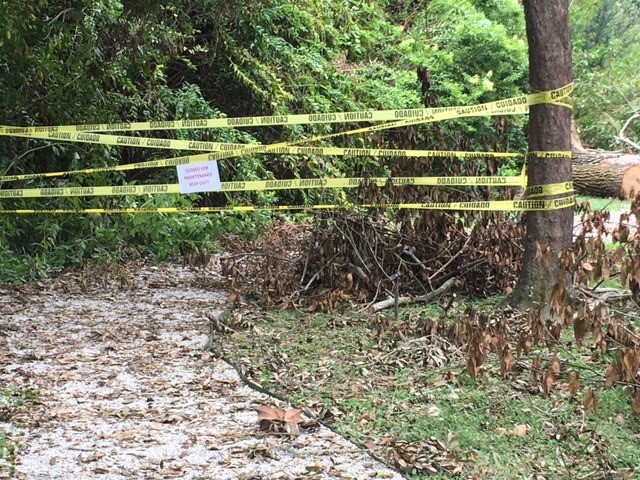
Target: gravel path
(127, 391)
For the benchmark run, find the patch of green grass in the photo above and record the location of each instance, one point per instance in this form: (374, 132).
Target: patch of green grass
(375, 375)
(10, 399)
(7, 453)
(614, 282)
(599, 203)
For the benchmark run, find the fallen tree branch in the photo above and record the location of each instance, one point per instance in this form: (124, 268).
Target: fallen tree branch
(451, 259)
(416, 261)
(376, 307)
(604, 295)
(622, 136)
(317, 274)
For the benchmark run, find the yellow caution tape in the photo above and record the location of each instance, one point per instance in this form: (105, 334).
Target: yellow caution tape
(127, 141)
(237, 151)
(274, 147)
(409, 117)
(503, 107)
(189, 159)
(547, 190)
(171, 144)
(550, 154)
(497, 205)
(262, 185)
(512, 105)
(500, 205)
(521, 103)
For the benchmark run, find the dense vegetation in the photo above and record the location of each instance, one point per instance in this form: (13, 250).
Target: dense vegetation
(606, 48)
(110, 61)
(397, 384)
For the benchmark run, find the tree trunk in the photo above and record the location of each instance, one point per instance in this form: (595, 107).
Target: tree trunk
(549, 130)
(606, 174)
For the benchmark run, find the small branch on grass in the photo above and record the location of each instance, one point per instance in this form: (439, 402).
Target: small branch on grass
(604, 295)
(613, 275)
(241, 256)
(404, 346)
(376, 307)
(375, 297)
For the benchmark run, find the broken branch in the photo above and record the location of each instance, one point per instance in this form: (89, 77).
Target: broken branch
(376, 307)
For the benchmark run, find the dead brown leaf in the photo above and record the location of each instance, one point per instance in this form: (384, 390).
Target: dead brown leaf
(348, 281)
(612, 376)
(580, 327)
(590, 402)
(278, 420)
(506, 361)
(472, 368)
(520, 430)
(524, 344)
(631, 364)
(635, 402)
(555, 366)
(573, 383)
(433, 411)
(548, 380)
(293, 416)
(270, 413)
(535, 368)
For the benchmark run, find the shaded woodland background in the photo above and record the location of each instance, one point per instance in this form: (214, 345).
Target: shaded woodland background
(108, 61)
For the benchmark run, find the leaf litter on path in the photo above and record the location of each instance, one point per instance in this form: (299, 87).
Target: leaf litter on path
(126, 390)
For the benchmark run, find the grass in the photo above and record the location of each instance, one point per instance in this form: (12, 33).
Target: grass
(10, 399)
(599, 203)
(382, 384)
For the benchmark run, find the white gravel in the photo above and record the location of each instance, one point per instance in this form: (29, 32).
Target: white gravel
(126, 391)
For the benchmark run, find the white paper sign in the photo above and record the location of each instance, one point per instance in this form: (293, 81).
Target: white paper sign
(200, 177)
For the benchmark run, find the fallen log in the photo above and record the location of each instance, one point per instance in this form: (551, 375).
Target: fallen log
(389, 302)
(606, 174)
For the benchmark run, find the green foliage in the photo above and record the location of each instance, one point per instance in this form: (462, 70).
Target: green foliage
(477, 55)
(606, 40)
(110, 61)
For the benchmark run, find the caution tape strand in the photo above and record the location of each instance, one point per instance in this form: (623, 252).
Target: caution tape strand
(498, 205)
(293, 184)
(193, 159)
(558, 96)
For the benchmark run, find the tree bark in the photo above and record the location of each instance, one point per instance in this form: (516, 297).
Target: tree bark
(549, 41)
(606, 174)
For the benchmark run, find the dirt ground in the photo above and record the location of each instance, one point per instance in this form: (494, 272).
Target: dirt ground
(125, 389)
